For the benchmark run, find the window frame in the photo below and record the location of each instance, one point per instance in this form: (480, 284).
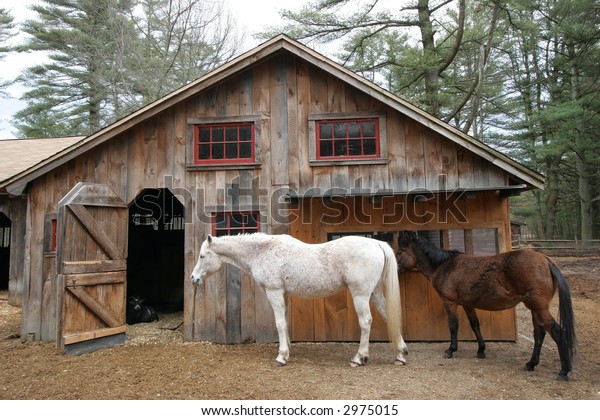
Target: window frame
(243, 229)
(50, 233)
(381, 130)
(193, 124)
(224, 143)
(346, 139)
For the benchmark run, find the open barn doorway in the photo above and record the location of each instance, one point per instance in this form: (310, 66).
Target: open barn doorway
(4, 250)
(155, 262)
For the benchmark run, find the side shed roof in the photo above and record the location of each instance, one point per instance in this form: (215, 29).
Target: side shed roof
(21, 155)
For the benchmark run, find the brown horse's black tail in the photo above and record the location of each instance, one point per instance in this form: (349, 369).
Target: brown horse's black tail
(568, 341)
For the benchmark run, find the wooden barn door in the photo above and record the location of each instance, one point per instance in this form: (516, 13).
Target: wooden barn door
(92, 269)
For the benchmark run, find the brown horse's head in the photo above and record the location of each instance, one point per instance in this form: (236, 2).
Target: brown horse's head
(405, 256)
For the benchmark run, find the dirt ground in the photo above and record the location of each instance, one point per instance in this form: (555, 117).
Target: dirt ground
(155, 364)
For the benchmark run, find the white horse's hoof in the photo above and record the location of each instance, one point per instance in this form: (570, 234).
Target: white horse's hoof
(360, 362)
(400, 362)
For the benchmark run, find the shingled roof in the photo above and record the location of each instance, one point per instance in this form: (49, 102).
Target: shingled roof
(21, 155)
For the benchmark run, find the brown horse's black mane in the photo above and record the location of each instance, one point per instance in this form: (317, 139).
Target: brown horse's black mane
(435, 254)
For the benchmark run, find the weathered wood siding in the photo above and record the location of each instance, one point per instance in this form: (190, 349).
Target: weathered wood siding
(422, 310)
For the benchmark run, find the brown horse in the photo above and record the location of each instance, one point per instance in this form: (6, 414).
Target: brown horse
(494, 283)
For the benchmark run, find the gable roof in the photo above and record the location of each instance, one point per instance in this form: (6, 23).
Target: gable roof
(16, 185)
(17, 156)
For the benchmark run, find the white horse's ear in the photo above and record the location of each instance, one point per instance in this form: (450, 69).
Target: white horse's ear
(209, 239)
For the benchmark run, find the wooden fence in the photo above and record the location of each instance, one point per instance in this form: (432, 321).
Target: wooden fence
(575, 245)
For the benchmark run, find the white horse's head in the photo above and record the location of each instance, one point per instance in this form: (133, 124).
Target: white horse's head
(208, 262)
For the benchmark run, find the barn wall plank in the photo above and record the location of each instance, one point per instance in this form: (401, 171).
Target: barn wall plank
(303, 93)
(293, 127)
(19, 250)
(32, 296)
(247, 309)
(279, 124)
(136, 166)
(415, 155)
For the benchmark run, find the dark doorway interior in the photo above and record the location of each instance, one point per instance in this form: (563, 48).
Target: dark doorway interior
(4, 250)
(155, 262)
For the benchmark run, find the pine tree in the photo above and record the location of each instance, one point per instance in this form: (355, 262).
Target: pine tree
(110, 57)
(6, 32)
(69, 95)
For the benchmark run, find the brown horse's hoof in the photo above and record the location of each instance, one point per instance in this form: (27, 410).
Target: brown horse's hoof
(447, 354)
(562, 377)
(480, 355)
(529, 367)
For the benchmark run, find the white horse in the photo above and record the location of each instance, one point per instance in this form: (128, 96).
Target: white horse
(281, 264)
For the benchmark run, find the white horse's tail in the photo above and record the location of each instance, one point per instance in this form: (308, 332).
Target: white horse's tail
(391, 292)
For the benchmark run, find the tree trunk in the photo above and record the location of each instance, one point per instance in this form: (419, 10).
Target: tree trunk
(582, 164)
(552, 178)
(431, 73)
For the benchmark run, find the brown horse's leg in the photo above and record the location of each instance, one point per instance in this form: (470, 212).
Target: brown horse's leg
(545, 319)
(539, 333)
(474, 321)
(453, 325)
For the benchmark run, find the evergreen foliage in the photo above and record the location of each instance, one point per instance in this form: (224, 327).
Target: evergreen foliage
(108, 58)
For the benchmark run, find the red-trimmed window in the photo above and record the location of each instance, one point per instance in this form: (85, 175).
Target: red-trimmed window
(224, 143)
(347, 139)
(235, 223)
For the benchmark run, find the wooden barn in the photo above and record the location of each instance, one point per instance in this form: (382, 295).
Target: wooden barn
(279, 140)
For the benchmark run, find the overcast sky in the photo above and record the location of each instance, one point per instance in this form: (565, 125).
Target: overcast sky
(252, 16)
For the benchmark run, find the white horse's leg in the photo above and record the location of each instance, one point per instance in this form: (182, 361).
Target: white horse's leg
(361, 305)
(277, 300)
(379, 302)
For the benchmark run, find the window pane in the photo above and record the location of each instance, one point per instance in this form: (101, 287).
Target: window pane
(217, 134)
(340, 148)
(369, 129)
(204, 135)
(340, 130)
(354, 129)
(251, 221)
(245, 150)
(217, 151)
(236, 220)
(231, 134)
(325, 131)
(326, 148)
(354, 148)
(231, 151)
(370, 147)
(204, 151)
(245, 133)
(221, 221)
